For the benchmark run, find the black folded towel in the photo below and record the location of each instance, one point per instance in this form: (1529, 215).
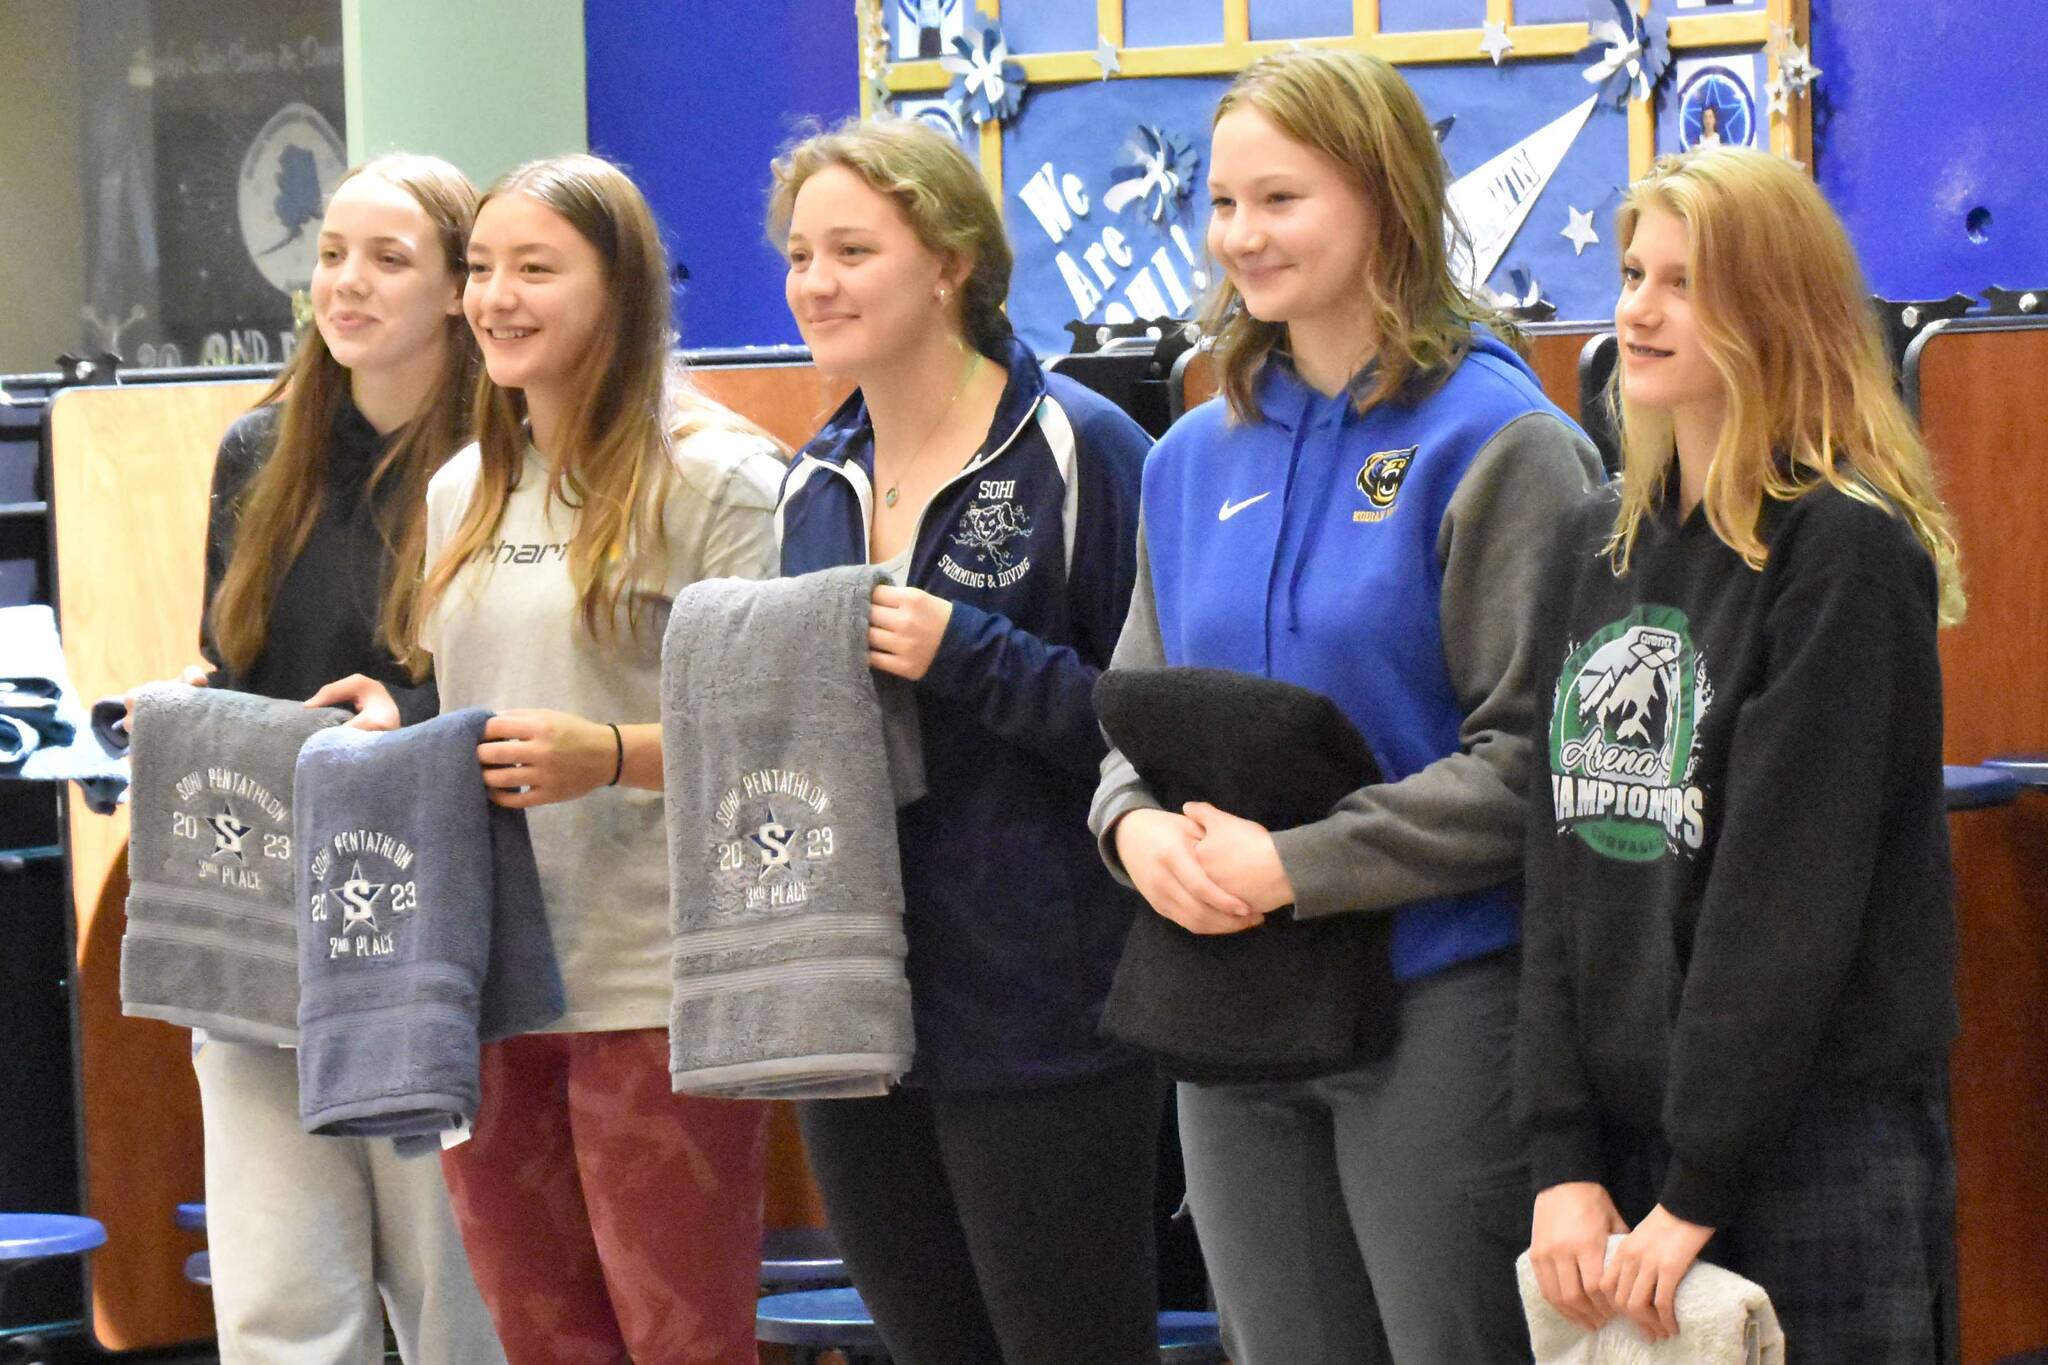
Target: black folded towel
(1291, 998)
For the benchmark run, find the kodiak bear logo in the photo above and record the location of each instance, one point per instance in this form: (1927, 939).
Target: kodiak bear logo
(990, 527)
(1380, 480)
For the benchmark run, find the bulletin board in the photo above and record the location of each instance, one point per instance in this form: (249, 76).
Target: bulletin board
(1090, 122)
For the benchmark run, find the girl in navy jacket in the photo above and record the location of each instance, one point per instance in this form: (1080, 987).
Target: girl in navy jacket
(998, 1204)
(1739, 991)
(1360, 515)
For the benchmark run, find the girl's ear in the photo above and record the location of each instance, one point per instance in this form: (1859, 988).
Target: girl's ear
(958, 267)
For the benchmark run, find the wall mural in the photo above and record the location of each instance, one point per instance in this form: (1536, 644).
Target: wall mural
(1090, 120)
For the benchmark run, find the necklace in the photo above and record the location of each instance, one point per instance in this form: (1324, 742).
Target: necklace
(894, 490)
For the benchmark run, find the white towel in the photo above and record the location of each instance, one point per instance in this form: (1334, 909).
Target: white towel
(1723, 1319)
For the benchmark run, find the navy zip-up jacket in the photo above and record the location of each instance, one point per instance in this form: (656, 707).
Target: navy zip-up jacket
(1014, 925)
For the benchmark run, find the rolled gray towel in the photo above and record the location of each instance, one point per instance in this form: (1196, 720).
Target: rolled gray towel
(210, 941)
(786, 890)
(425, 933)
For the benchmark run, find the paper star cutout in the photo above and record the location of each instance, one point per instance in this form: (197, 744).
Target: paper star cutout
(1105, 56)
(1578, 230)
(1796, 68)
(1781, 98)
(1495, 42)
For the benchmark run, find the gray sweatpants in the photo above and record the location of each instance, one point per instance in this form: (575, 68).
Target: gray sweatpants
(1374, 1215)
(306, 1234)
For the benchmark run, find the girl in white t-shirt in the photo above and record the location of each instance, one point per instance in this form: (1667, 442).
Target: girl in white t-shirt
(604, 1215)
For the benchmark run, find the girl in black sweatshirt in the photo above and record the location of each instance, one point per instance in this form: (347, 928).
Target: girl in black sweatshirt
(314, 551)
(1737, 991)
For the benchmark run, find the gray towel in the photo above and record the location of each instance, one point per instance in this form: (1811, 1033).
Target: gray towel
(210, 941)
(48, 743)
(786, 890)
(425, 933)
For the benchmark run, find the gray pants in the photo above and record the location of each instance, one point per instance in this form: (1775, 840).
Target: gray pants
(1374, 1215)
(306, 1233)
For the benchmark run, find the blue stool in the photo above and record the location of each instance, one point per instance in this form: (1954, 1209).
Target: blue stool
(836, 1320)
(26, 1238)
(1968, 788)
(2030, 771)
(800, 1258)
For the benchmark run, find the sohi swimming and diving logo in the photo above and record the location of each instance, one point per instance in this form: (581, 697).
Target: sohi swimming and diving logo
(1626, 714)
(216, 839)
(364, 895)
(1380, 480)
(988, 530)
(772, 840)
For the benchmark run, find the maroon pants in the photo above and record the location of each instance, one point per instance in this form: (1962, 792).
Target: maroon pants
(605, 1217)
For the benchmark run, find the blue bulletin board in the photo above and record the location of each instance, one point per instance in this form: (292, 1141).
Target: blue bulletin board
(1542, 117)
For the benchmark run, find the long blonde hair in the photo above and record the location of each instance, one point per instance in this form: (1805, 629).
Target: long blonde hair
(1356, 110)
(633, 406)
(1784, 318)
(275, 513)
(938, 191)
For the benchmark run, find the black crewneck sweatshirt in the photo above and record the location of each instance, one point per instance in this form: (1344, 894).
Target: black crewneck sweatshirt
(323, 620)
(1738, 883)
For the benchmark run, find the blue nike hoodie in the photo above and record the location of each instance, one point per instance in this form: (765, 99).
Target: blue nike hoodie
(1388, 561)
(1014, 925)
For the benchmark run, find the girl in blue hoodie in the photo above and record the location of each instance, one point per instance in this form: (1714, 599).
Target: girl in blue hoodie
(1359, 513)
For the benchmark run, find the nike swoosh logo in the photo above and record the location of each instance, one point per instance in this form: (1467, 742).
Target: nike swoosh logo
(1230, 509)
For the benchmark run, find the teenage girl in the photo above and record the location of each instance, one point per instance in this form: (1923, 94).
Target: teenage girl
(327, 477)
(1360, 513)
(996, 1206)
(1738, 995)
(605, 1216)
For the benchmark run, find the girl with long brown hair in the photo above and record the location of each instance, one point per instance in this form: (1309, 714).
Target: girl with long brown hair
(1385, 467)
(606, 1216)
(1739, 987)
(313, 565)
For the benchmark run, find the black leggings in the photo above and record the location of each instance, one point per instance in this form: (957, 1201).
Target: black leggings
(1000, 1226)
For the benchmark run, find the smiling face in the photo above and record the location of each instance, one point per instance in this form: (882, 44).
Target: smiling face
(864, 291)
(1292, 231)
(1664, 364)
(382, 285)
(535, 297)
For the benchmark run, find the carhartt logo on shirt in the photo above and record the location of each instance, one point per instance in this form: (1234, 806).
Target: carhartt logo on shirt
(528, 552)
(1380, 480)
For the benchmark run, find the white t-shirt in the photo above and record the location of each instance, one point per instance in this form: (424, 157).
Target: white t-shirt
(508, 634)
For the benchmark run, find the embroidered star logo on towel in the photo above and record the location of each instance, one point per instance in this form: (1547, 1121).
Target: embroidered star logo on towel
(1230, 509)
(359, 901)
(1380, 480)
(773, 838)
(228, 833)
(773, 841)
(374, 914)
